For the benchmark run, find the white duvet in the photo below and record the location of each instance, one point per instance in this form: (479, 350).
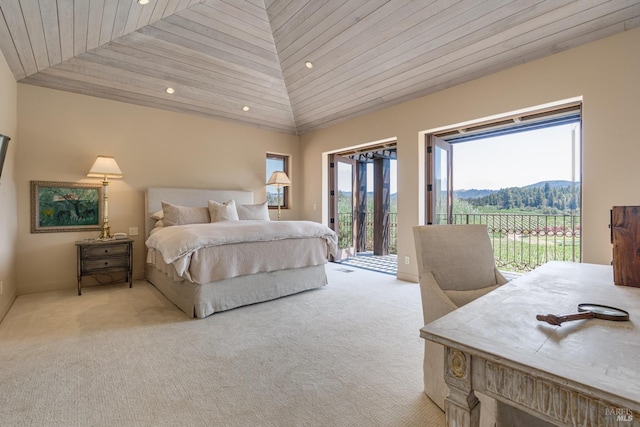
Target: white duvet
(179, 245)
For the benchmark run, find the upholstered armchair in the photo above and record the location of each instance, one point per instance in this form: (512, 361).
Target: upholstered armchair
(456, 266)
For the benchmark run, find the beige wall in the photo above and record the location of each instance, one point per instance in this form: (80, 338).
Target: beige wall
(8, 202)
(62, 133)
(605, 73)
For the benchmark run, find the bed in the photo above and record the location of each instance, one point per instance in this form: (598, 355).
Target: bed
(204, 268)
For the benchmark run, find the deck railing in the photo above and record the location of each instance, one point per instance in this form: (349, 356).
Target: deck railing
(345, 231)
(521, 242)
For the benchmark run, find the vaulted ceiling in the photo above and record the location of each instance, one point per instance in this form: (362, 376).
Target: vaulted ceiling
(220, 56)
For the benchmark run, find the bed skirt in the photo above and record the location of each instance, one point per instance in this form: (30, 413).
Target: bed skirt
(203, 300)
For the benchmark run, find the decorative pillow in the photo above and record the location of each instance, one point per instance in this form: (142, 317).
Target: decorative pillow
(158, 215)
(159, 223)
(223, 211)
(258, 211)
(181, 215)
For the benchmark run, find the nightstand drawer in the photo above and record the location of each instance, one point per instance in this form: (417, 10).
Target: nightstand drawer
(89, 265)
(104, 250)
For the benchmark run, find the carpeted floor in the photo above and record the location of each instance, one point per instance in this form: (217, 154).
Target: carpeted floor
(348, 354)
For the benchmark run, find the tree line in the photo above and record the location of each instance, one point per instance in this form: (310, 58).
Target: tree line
(563, 198)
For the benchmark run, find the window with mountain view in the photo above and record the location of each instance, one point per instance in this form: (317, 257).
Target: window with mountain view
(523, 182)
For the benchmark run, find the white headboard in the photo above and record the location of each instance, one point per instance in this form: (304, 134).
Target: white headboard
(192, 197)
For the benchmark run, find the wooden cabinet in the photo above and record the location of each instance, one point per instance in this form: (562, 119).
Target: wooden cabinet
(625, 237)
(104, 257)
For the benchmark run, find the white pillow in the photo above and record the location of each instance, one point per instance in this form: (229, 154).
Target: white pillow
(258, 211)
(223, 211)
(180, 215)
(158, 215)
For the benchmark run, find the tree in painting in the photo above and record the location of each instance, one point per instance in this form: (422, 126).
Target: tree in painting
(61, 206)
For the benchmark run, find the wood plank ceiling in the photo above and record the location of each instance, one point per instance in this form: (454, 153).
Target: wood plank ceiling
(223, 55)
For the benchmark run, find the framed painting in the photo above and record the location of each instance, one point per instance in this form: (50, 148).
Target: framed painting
(4, 145)
(65, 206)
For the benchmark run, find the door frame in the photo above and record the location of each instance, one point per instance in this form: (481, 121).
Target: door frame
(433, 178)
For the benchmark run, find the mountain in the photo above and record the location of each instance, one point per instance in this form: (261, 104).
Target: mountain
(559, 196)
(552, 184)
(474, 194)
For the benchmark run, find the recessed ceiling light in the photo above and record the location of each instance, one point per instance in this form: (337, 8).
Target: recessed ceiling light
(308, 64)
(169, 90)
(246, 108)
(143, 2)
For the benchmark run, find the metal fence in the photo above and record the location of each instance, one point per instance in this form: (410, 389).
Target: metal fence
(345, 231)
(521, 242)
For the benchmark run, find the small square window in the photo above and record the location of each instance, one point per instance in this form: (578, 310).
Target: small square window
(277, 162)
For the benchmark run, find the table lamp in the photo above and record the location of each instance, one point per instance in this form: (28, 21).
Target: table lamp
(105, 167)
(279, 179)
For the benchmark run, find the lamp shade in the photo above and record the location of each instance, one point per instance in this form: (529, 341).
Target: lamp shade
(279, 178)
(105, 167)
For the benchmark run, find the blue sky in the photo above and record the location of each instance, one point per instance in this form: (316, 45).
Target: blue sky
(517, 160)
(514, 160)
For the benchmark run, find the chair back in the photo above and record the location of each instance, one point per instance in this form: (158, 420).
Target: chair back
(459, 256)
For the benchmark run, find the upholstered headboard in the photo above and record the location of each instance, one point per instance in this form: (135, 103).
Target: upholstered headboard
(192, 197)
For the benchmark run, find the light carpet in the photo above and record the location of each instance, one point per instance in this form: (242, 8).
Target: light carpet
(348, 354)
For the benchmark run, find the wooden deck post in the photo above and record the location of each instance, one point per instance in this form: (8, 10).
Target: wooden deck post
(381, 203)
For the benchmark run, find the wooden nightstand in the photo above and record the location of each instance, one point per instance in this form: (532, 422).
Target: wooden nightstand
(104, 257)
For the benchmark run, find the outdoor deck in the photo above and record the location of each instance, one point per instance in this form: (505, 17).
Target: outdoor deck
(381, 263)
(521, 242)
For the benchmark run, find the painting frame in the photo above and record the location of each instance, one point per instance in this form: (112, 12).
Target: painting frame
(4, 147)
(65, 206)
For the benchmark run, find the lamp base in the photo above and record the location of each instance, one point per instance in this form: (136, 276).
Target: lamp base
(105, 234)
(278, 203)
